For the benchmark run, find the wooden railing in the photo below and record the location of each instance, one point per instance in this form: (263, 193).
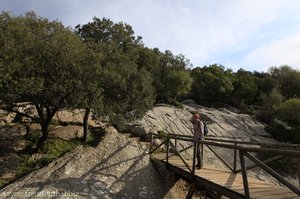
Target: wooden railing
(243, 148)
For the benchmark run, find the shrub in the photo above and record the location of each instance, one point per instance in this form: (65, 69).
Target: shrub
(283, 134)
(289, 111)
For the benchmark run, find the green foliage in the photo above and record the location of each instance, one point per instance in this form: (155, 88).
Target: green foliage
(170, 77)
(27, 165)
(3, 183)
(41, 63)
(289, 111)
(212, 85)
(283, 134)
(126, 86)
(265, 82)
(178, 83)
(53, 149)
(33, 137)
(245, 88)
(288, 80)
(269, 102)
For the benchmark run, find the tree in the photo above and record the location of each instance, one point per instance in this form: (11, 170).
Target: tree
(40, 65)
(170, 77)
(89, 96)
(288, 80)
(265, 82)
(126, 86)
(212, 84)
(178, 83)
(289, 111)
(245, 88)
(269, 102)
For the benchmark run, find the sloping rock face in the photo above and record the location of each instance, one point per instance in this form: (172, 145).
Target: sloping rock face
(222, 123)
(118, 167)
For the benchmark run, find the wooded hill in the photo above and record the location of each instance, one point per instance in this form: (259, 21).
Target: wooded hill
(103, 67)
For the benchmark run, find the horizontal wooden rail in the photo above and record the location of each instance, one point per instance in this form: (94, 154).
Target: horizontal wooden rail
(244, 149)
(288, 152)
(237, 140)
(278, 157)
(273, 173)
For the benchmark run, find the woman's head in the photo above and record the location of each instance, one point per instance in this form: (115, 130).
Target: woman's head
(196, 117)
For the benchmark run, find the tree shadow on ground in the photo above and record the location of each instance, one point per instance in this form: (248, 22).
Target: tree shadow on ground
(115, 176)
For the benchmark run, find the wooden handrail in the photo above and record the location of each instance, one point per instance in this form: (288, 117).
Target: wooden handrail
(222, 160)
(278, 157)
(244, 151)
(288, 152)
(273, 173)
(182, 159)
(233, 140)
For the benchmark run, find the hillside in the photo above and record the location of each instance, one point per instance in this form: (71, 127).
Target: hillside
(110, 170)
(119, 166)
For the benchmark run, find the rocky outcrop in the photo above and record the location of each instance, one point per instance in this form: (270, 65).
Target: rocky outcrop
(221, 122)
(67, 132)
(119, 167)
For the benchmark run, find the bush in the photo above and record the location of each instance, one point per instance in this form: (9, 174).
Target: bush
(53, 149)
(289, 111)
(283, 134)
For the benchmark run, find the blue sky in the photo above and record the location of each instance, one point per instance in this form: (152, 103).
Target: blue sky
(248, 34)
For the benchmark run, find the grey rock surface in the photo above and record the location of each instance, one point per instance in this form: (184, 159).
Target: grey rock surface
(119, 166)
(222, 123)
(110, 170)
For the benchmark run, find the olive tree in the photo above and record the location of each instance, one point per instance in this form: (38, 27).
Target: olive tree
(40, 65)
(127, 88)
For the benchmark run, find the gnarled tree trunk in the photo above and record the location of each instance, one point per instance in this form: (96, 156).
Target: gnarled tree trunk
(45, 113)
(85, 124)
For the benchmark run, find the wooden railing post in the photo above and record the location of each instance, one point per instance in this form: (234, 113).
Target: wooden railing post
(202, 154)
(234, 156)
(273, 173)
(176, 142)
(151, 143)
(299, 170)
(167, 154)
(194, 158)
(244, 174)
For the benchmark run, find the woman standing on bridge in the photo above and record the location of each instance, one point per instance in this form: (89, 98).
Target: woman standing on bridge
(198, 131)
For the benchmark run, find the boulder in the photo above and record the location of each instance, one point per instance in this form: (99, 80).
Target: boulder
(162, 118)
(12, 138)
(67, 132)
(221, 122)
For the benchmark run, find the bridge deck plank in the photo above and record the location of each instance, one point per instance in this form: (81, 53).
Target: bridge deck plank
(226, 179)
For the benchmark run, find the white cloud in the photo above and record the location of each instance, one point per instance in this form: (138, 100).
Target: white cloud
(202, 30)
(284, 51)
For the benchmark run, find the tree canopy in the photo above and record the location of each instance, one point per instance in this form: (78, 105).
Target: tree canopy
(127, 87)
(40, 65)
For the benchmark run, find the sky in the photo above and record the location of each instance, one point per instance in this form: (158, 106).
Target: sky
(249, 34)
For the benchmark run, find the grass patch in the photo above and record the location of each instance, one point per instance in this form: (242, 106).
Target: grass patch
(3, 183)
(33, 137)
(94, 137)
(53, 149)
(26, 165)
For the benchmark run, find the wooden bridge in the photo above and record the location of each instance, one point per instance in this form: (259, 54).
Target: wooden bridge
(234, 183)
